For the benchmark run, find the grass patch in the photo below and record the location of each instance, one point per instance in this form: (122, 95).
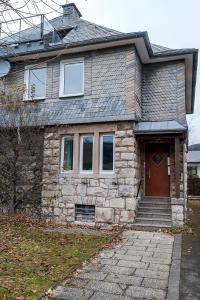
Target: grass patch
(32, 260)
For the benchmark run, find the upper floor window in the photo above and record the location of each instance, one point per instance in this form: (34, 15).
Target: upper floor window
(107, 153)
(71, 79)
(35, 80)
(67, 153)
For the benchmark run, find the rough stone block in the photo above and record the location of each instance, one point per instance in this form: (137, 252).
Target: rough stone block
(68, 190)
(117, 203)
(127, 156)
(127, 216)
(128, 141)
(97, 191)
(104, 215)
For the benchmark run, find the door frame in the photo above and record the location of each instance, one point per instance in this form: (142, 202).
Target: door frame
(144, 163)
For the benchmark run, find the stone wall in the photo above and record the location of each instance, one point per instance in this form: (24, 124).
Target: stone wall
(179, 205)
(114, 196)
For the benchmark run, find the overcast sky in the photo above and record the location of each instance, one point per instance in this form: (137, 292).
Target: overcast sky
(171, 23)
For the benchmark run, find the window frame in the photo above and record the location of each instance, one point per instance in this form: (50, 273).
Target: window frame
(81, 154)
(101, 171)
(26, 81)
(62, 78)
(62, 154)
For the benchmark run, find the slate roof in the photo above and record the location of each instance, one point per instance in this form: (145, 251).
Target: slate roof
(80, 31)
(193, 157)
(158, 48)
(158, 127)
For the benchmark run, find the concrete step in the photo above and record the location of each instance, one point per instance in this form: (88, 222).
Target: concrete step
(152, 221)
(153, 204)
(156, 201)
(154, 215)
(156, 198)
(154, 209)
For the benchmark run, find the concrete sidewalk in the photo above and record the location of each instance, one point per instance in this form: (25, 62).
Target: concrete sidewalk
(137, 268)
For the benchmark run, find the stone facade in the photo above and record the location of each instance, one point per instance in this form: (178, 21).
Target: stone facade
(114, 196)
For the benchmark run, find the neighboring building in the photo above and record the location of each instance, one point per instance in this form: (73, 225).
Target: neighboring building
(115, 121)
(193, 160)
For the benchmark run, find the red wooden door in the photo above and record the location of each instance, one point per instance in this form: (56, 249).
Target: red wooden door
(157, 180)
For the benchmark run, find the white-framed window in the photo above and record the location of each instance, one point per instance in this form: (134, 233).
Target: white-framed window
(71, 78)
(86, 153)
(67, 153)
(35, 82)
(107, 152)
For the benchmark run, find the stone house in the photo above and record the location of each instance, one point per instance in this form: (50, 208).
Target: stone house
(115, 121)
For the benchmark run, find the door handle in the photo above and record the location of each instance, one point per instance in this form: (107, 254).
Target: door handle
(168, 166)
(149, 173)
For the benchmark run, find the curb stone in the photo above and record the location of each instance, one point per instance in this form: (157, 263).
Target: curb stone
(174, 276)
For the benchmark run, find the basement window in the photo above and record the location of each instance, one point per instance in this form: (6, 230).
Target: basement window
(85, 213)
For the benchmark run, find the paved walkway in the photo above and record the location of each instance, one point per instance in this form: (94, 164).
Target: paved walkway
(137, 268)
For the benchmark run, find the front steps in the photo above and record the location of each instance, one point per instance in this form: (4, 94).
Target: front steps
(154, 212)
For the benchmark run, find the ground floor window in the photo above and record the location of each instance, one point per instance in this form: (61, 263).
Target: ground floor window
(107, 153)
(74, 157)
(67, 153)
(86, 153)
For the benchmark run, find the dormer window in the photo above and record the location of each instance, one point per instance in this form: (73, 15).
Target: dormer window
(71, 79)
(35, 81)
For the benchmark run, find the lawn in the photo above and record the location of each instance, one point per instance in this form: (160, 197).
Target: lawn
(32, 260)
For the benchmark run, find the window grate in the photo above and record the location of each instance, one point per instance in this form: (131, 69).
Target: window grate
(85, 213)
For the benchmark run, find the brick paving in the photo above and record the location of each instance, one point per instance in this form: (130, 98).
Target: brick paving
(137, 268)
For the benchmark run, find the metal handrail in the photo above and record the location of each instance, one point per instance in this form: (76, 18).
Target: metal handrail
(139, 187)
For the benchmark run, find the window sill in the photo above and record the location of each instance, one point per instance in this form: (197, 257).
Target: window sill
(107, 173)
(84, 223)
(86, 175)
(35, 99)
(72, 95)
(66, 173)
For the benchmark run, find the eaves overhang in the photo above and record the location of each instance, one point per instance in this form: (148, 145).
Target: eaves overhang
(144, 49)
(158, 127)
